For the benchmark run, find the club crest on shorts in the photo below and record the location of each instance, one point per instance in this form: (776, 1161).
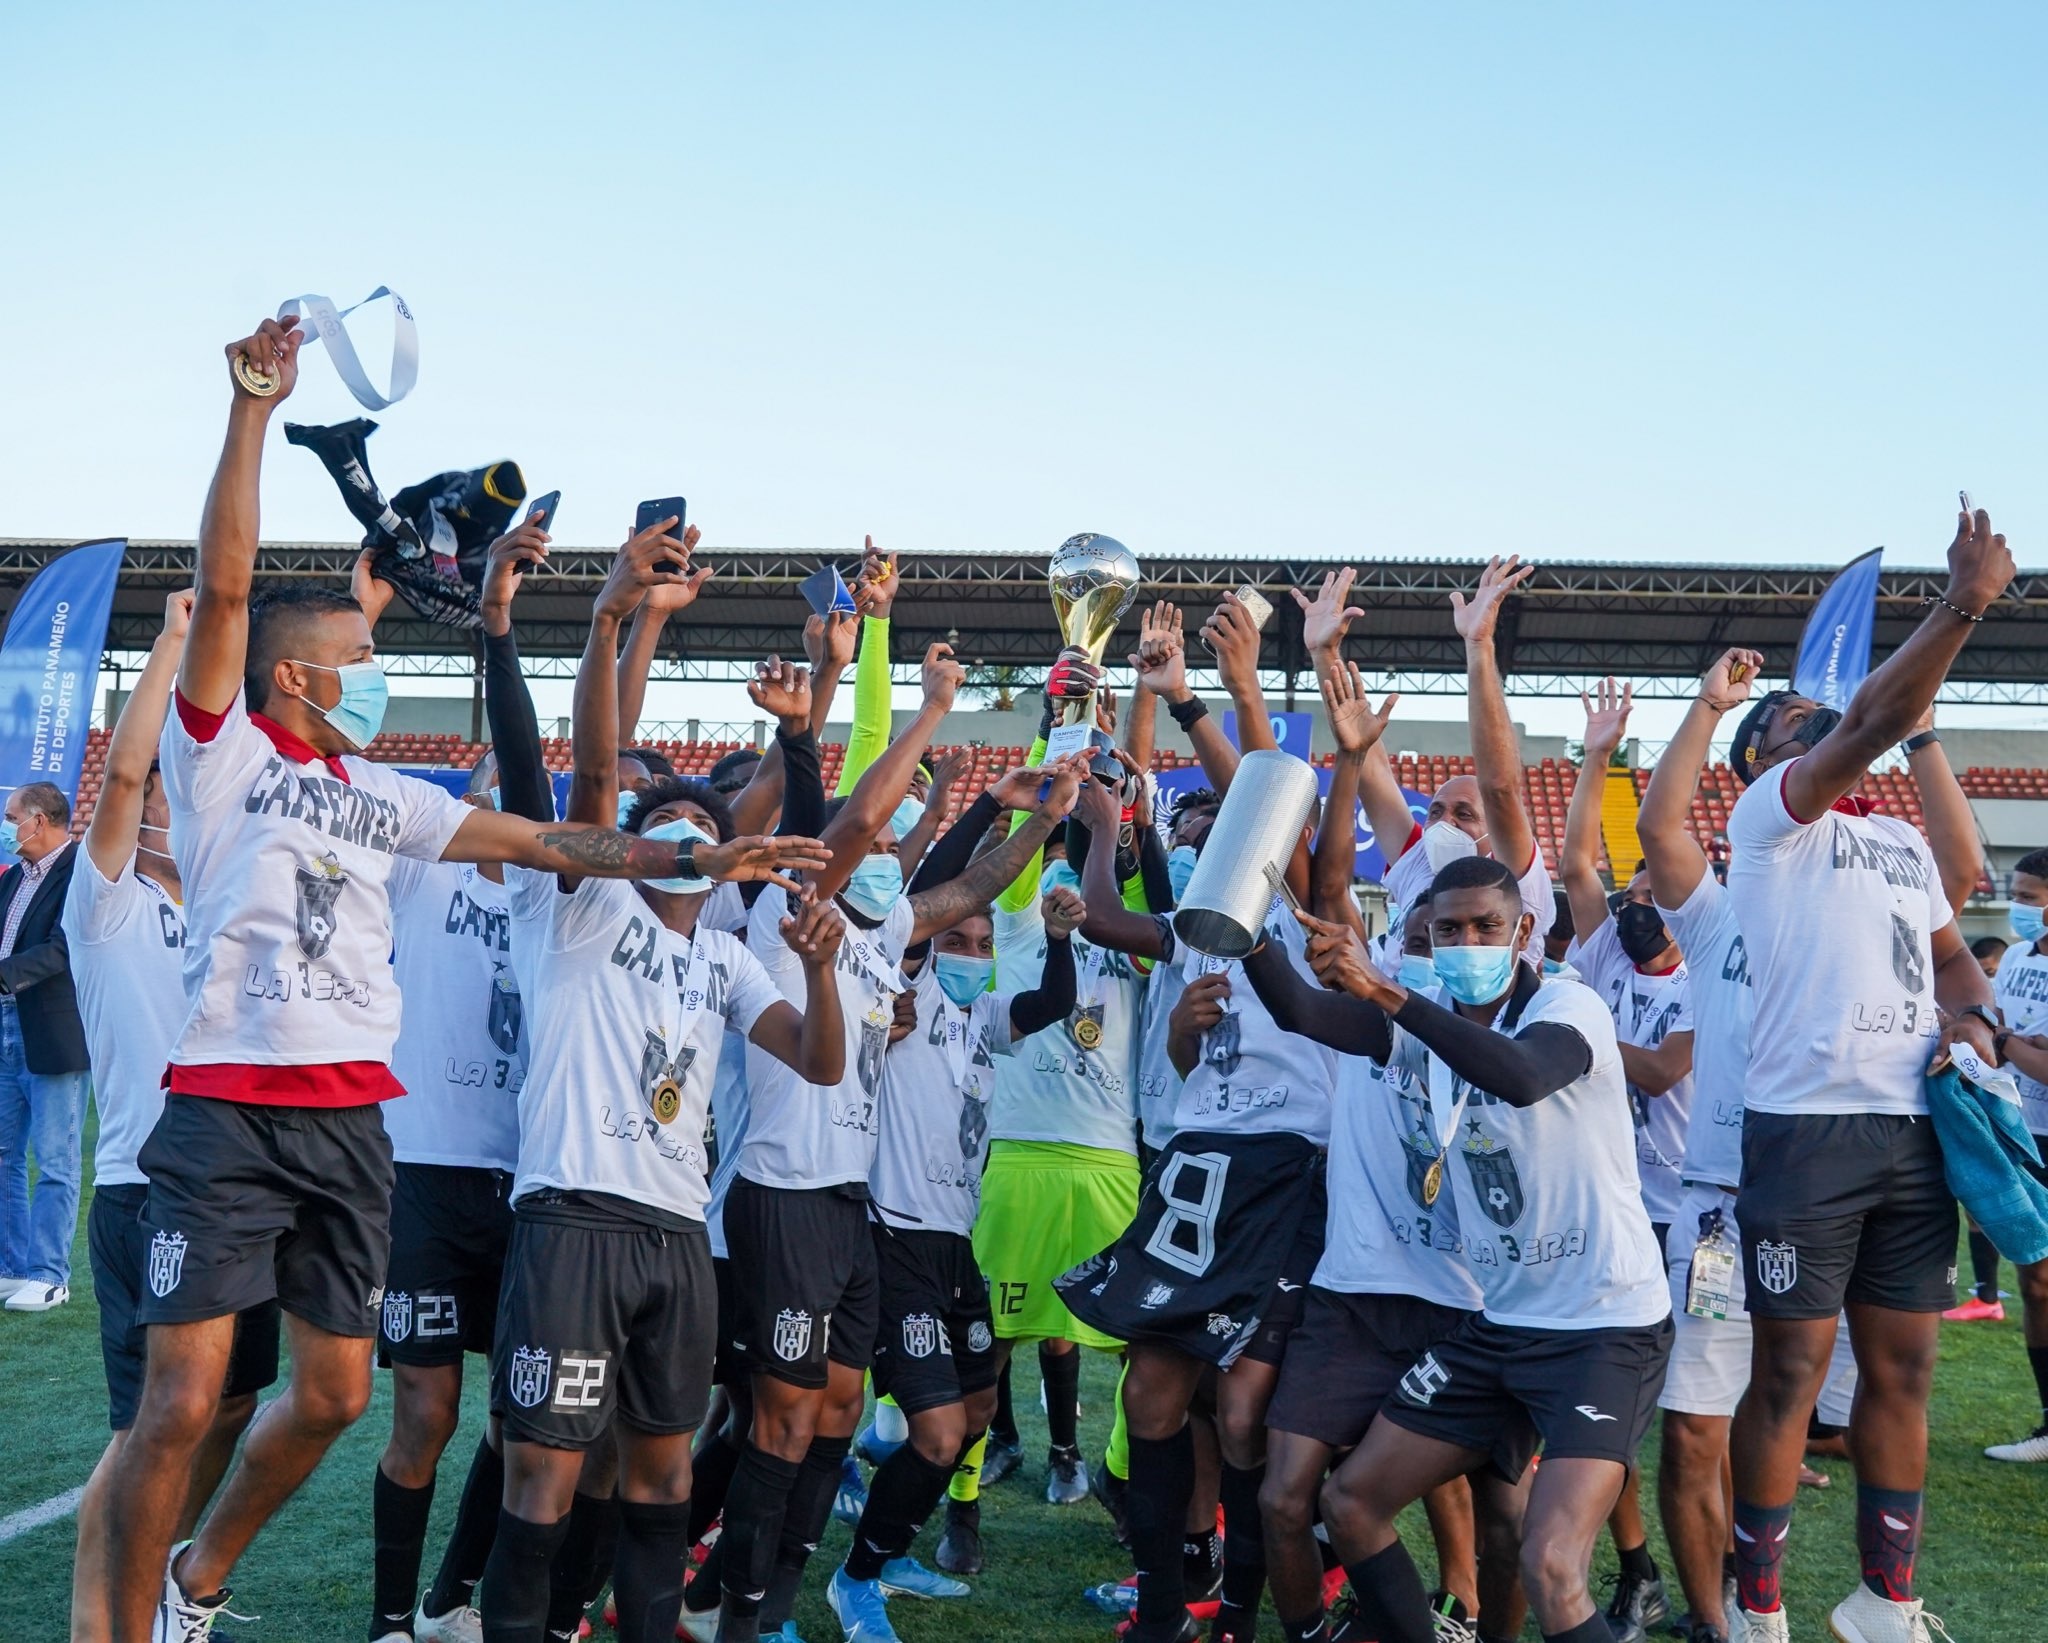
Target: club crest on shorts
(526, 1378)
(1908, 963)
(506, 1010)
(1221, 1044)
(1777, 1266)
(979, 1337)
(920, 1334)
(319, 888)
(397, 1314)
(166, 1262)
(1156, 1295)
(792, 1334)
(1495, 1180)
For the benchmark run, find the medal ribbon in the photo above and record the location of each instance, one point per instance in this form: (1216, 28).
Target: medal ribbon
(320, 322)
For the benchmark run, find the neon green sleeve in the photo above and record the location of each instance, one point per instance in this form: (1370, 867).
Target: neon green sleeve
(1024, 888)
(869, 737)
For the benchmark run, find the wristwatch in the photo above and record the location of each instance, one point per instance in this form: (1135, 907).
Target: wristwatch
(1913, 744)
(1985, 1014)
(686, 860)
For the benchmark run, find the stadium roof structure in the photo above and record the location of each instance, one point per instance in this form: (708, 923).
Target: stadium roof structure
(1662, 624)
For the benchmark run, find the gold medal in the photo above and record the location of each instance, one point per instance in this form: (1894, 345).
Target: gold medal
(1088, 1032)
(255, 379)
(667, 1101)
(1433, 1182)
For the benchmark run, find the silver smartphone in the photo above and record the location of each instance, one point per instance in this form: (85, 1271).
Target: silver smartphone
(1257, 603)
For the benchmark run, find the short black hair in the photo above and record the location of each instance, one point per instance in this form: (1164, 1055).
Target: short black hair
(46, 799)
(735, 770)
(2034, 864)
(1985, 946)
(277, 618)
(1194, 799)
(1478, 873)
(657, 763)
(671, 788)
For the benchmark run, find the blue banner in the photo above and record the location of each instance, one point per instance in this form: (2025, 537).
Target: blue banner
(1834, 649)
(1372, 862)
(1291, 731)
(50, 667)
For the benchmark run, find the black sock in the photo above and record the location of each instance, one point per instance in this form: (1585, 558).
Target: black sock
(1062, 1375)
(1636, 1562)
(1201, 1561)
(803, 1526)
(1593, 1629)
(515, 1583)
(1888, 1536)
(1392, 1605)
(584, 1563)
(1244, 1537)
(702, 1591)
(469, 1542)
(2037, 1356)
(754, 1508)
(1983, 1265)
(1004, 1427)
(1760, 1535)
(711, 1470)
(398, 1530)
(647, 1586)
(901, 1496)
(1308, 1631)
(1162, 1481)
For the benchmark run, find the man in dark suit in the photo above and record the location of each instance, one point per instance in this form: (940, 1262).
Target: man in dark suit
(43, 1063)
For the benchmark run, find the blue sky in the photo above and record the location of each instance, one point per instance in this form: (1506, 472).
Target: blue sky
(1621, 282)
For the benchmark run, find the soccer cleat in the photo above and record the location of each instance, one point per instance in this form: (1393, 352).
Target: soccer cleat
(464, 1625)
(1639, 1606)
(1764, 1628)
(2032, 1447)
(906, 1577)
(182, 1619)
(1066, 1477)
(852, 1498)
(1114, 1493)
(698, 1625)
(788, 1634)
(37, 1296)
(862, 1611)
(1233, 1625)
(1976, 1311)
(873, 1448)
(959, 1550)
(1864, 1617)
(999, 1460)
(1449, 1621)
(1702, 1632)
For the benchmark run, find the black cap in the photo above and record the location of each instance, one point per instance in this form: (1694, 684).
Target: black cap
(1749, 735)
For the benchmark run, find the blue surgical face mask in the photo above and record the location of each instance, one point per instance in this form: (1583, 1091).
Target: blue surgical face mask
(1180, 867)
(679, 831)
(1058, 875)
(874, 887)
(1553, 966)
(907, 815)
(359, 715)
(1418, 973)
(10, 837)
(961, 978)
(1475, 975)
(627, 799)
(488, 798)
(2027, 922)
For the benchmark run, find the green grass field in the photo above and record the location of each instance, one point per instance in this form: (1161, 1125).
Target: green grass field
(1983, 1565)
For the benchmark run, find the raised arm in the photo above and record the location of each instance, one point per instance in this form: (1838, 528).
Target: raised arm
(1161, 663)
(1354, 1026)
(1109, 923)
(210, 672)
(647, 558)
(117, 818)
(911, 848)
(1676, 861)
(1325, 621)
(875, 597)
(1606, 724)
(1233, 637)
(1357, 730)
(643, 638)
(1053, 998)
(1889, 703)
(1496, 753)
(1655, 1071)
(524, 788)
(1951, 823)
(813, 1040)
(946, 904)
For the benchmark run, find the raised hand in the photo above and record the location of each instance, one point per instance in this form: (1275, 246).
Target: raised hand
(1730, 680)
(272, 350)
(1105, 710)
(829, 640)
(369, 591)
(784, 690)
(1161, 656)
(1018, 789)
(1354, 724)
(672, 593)
(178, 615)
(1607, 711)
(1203, 1003)
(1341, 963)
(643, 560)
(946, 776)
(1099, 809)
(1072, 677)
(1233, 637)
(1063, 911)
(1135, 786)
(1327, 618)
(1067, 776)
(515, 553)
(814, 932)
(1475, 617)
(1979, 567)
(942, 677)
(753, 857)
(874, 592)
(903, 1016)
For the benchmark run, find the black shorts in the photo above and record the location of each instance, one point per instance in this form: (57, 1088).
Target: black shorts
(118, 1244)
(1583, 1394)
(449, 1229)
(725, 1371)
(1840, 1207)
(602, 1315)
(1346, 1355)
(937, 1338)
(249, 1204)
(804, 1282)
(1223, 1221)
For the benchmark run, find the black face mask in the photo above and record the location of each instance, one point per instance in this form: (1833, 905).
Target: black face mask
(1814, 726)
(1640, 930)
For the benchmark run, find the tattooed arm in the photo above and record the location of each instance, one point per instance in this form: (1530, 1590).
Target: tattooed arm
(604, 853)
(947, 904)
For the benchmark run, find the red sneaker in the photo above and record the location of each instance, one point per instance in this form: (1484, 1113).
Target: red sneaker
(1976, 1311)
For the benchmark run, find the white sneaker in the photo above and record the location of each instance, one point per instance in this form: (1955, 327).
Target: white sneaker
(699, 1626)
(1864, 1617)
(34, 1295)
(181, 1619)
(460, 1625)
(2034, 1447)
(1760, 1628)
(9, 1285)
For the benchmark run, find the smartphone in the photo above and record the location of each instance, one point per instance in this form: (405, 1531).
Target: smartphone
(825, 591)
(653, 513)
(1260, 607)
(545, 507)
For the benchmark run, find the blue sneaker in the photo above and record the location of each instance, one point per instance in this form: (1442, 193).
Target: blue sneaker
(906, 1577)
(788, 1634)
(852, 1498)
(872, 1448)
(861, 1609)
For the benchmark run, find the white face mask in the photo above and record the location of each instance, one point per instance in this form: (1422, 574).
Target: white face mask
(1443, 844)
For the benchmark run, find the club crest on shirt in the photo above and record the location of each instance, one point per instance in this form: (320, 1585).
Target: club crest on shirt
(1494, 1178)
(661, 1077)
(526, 1378)
(1221, 1044)
(792, 1334)
(973, 1126)
(1907, 962)
(397, 1314)
(166, 1262)
(874, 1044)
(319, 888)
(507, 1014)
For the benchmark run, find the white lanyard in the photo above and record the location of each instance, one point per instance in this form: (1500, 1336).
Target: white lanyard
(320, 322)
(956, 1021)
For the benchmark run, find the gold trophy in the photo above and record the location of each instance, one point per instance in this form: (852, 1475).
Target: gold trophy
(1094, 579)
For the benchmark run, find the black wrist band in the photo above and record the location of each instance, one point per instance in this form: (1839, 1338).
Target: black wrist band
(1913, 744)
(807, 734)
(686, 860)
(1189, 713)
(1946, 604)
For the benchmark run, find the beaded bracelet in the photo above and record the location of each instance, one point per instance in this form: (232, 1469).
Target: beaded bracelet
(1937, 599)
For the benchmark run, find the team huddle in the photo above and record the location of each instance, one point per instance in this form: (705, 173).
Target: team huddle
(725, 1101)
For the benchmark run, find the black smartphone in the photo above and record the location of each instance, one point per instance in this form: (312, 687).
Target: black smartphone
(653, 513)
(544, 507)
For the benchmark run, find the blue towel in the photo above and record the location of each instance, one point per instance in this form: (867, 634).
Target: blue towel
(1985, 1149)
